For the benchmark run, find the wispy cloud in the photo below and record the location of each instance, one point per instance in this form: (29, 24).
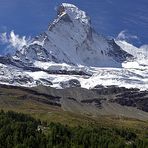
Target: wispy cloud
(125, 35)
(13, 41)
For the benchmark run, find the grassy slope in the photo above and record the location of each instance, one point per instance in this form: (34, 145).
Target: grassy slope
(10, 99)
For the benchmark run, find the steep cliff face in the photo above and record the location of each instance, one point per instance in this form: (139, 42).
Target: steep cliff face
(71, 39)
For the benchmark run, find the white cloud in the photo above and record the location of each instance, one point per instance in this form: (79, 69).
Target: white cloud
(13, 41)
(3, 38)
(124, 35)
(144, 47)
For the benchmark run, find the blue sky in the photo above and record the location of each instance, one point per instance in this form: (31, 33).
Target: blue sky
(109, 17)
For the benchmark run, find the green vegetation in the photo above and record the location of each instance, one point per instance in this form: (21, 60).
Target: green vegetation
(18, 130)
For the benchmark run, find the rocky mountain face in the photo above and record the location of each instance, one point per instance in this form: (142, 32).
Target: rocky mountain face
(70, 46)
(100, 101)
(71, 39)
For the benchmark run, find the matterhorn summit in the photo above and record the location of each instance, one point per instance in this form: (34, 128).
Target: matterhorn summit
(71, 54)
(74, 13)
(71, 39)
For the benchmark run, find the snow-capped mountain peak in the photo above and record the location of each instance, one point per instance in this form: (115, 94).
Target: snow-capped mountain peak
(70, 53)
(71, 39)
(74, 13)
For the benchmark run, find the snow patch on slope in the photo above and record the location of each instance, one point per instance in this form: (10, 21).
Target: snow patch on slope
(140, 60)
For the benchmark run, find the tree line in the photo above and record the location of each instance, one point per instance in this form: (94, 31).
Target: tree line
(18, 130)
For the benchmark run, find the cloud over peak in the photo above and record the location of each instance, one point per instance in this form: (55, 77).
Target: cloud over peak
(12, 42)
(125, 35)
